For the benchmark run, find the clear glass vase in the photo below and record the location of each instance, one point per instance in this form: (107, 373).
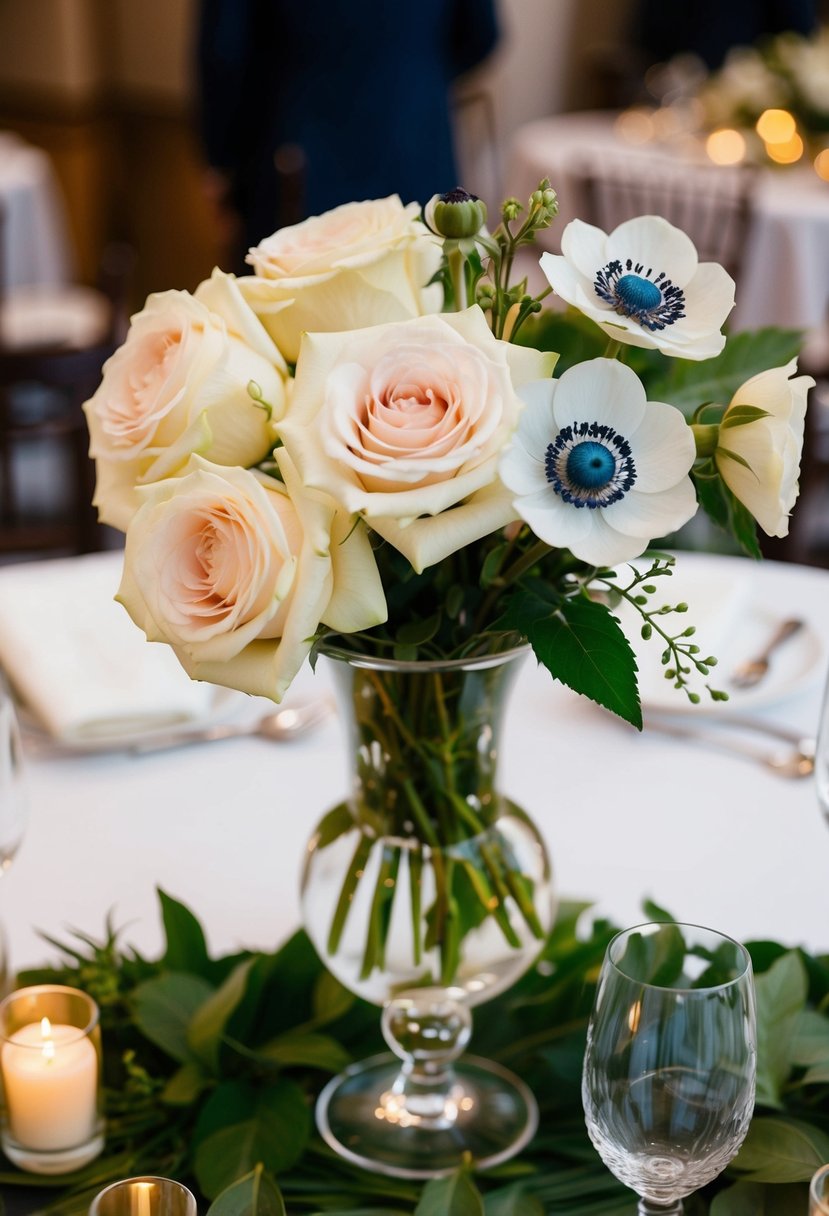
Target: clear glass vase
(426, 892)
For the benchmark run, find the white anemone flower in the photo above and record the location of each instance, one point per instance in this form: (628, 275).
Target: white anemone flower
(596, 467)
(644, 285)
(760, 461)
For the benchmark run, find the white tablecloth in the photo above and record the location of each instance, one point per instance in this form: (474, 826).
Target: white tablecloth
(718, 840)
(35, 246)
(785, 274)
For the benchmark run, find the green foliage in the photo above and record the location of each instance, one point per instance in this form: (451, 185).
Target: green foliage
(233, 1120)
(687, 384)
(581, 644)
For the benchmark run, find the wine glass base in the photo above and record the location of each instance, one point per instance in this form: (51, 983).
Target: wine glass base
(491, 1115)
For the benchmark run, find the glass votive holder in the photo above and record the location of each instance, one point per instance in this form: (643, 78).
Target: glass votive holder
(50, 1067)
(819, 1193)
(144, 1196)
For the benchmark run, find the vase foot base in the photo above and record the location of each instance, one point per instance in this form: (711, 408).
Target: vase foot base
(489, 1115)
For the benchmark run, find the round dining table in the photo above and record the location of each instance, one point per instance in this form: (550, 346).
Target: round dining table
(784, 277)
(691, 813)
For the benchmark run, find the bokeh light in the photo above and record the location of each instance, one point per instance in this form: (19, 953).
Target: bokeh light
(786, 153)
(776, 126)
(726, 146)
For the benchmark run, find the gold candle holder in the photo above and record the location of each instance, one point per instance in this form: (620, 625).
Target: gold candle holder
(144, 1196)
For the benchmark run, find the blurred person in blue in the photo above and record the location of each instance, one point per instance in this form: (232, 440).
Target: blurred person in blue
(303, 107)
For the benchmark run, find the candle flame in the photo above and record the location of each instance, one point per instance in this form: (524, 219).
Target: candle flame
(48, 1041)
(140, 1193)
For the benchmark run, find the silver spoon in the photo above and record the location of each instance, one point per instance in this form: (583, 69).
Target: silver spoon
(279, 726)
(752, 671)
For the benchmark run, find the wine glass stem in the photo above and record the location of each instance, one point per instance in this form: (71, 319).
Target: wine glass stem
(646, 1208)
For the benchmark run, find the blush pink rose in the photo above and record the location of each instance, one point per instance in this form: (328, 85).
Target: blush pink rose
(404, 424)
(178, 385)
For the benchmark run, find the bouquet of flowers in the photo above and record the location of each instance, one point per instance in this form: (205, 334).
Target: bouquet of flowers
(360, 439)
(360, 446)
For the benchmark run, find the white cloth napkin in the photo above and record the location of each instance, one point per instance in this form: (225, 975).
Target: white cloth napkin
(79, 663)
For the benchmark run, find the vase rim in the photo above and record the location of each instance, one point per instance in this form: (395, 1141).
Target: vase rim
(376, 663)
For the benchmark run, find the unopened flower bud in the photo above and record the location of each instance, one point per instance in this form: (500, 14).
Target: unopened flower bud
(511, 209)
(455, 215)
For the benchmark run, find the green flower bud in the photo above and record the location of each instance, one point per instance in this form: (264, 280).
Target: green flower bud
(511, 209)
(455, 215)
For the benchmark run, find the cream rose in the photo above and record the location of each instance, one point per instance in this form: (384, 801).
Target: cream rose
(404, 424)
(760, 461)
(358, 265)
(179, 385)
(236, 570)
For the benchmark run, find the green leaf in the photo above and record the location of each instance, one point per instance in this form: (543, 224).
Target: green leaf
(686, 383)
(781, 1150)
(186, 946)
(735, 456)
(207, 1026)
(724, 509)
(331, 999)
(418, 632)
(755, 1199)
(582, 645)
(254, 1195)
(164, 1008)
(455, 1195)
(185, 1086)
(741, 415)
(781, 995)
(296, 1049)
(810, 1041)
(273, 1133)
(512, 1201)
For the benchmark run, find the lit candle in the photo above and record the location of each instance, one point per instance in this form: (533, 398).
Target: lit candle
(50, 1075)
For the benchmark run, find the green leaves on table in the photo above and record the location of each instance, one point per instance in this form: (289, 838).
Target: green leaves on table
(213, 1065)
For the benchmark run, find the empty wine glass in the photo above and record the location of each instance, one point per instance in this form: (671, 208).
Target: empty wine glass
(819, 1193)
(13, 802)
(822, 756)
(670, 1064)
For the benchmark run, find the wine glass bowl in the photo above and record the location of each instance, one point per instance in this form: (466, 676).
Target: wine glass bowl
(13, 797)
(670, 1064)
(822, 756)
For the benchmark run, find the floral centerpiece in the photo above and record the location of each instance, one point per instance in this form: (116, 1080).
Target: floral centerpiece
(361, 448)
(354, 441)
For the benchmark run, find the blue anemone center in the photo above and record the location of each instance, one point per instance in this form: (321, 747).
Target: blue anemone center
(640, 294)
(633, 290)
(590, 465)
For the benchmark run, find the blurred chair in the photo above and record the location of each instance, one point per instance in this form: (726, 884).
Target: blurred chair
(53, 344)
(711, 203)
(46, 476)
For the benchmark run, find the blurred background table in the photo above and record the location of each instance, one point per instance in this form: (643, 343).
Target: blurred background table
(715, 838)
(784, 276)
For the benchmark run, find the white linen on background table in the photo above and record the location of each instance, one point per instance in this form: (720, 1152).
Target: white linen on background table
(35, 245)
(716, 839)
(785, 272)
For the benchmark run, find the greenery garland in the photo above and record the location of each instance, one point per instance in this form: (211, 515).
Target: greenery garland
(212, 1067)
